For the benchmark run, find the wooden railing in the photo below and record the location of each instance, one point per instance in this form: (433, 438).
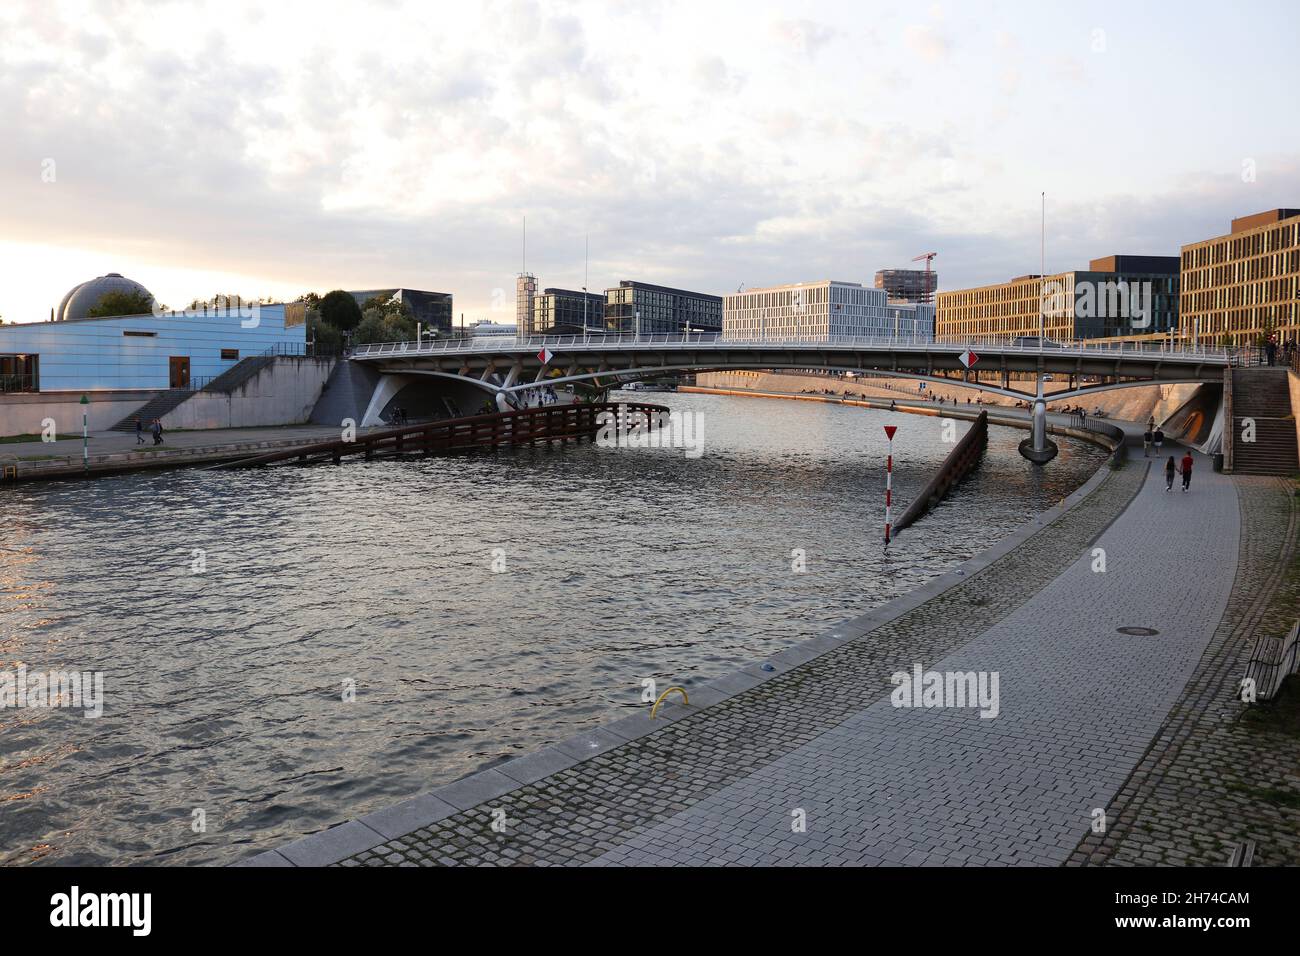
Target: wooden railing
(531, 426)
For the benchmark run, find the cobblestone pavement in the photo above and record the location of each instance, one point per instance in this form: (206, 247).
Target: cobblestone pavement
(662, 783)
(1079, 704)
(1215, 776)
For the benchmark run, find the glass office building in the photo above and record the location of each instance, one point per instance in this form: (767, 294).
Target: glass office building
(655, 310)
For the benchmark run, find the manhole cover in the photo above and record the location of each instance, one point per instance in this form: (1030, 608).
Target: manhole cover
(1138, 631)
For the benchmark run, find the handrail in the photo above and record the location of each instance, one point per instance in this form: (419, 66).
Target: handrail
(715, 340)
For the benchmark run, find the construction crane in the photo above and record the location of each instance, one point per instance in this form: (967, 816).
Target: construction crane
(929, 290)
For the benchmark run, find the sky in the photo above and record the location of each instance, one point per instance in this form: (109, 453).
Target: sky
(274, 149)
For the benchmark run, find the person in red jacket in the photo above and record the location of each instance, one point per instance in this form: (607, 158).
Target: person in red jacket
(1186, 470)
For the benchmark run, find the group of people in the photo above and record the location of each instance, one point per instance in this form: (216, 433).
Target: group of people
(1154, 435)
(155, 429)
(1272, 349)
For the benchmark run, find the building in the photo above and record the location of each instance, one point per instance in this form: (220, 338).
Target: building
(432, 309)
(1239, 287)
(1119, 295)
(653, 310)
(525, 293)
(80, 299)
(564, 307)
(485, 327)
(908, 285)
(170, 350)
(823, 311)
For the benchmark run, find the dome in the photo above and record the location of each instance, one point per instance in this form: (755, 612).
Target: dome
(82, 298)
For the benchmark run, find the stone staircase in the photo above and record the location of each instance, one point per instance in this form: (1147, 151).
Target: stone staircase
(156, 407)
(1263, 394)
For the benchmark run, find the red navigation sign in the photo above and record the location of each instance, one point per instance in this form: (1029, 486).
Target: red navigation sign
(545, 356)
(969, 358)
(889, 431)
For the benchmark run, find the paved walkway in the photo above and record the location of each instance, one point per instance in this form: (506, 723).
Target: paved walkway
(804, 759)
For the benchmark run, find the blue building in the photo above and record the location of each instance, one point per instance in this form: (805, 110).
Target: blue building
(171, 350)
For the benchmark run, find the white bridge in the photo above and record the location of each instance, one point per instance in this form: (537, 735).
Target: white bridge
(503, 367)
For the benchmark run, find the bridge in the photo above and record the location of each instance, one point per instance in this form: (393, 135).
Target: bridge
(507, 370)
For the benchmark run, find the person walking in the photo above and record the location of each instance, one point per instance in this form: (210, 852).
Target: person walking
(1169, 474)
(157, 431)
(1146, 443)
(1270, 350)
(1159, 438)
(1187, 470)
(139, 430)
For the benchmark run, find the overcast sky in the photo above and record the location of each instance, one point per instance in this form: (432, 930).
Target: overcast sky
(279, 148)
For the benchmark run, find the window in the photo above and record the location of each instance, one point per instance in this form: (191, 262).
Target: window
(20, 373)
(147, 335)
(230, 354)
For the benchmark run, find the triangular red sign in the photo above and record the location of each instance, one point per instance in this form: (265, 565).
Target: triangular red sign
(889, 430)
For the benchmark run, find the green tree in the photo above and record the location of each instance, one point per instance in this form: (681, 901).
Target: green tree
(340, 310)
(384, 324)
(121, 303)
(323, 334)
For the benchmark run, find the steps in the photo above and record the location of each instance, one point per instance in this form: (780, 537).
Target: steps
(156, 407)
(1263, 394)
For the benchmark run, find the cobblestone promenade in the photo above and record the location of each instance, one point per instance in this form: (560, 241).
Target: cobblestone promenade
(807, 761)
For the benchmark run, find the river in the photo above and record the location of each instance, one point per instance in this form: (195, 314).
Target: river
(283, 649)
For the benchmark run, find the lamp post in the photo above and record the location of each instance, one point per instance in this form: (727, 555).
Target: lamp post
(85, 435)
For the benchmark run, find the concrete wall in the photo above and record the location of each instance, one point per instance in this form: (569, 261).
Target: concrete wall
(1294, 380)
(21, 413)
(1127, 404)
(283, 393)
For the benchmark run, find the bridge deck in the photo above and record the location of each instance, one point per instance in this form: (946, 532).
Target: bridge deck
(721, 780)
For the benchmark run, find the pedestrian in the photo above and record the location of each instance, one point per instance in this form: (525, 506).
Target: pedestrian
(1270, 350)
(1169, 474)
(157, 431)
(1146, 443)
(1187, 470)
(1159, 438)
(139, 430)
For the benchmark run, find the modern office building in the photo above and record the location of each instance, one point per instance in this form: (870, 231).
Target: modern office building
(525, 293)
(908, 285)
(823, 311)
(653, 309)
(1239, 287)
(564, 307)
(432, 309)
(1120, 295)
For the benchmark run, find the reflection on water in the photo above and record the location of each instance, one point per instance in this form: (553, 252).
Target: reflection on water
(225, 689)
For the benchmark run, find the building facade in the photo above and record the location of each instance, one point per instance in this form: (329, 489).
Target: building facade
(1117, 296)
(908, 285)
(525, 293)
(433, 310)
(823, 311)
(564, 307)
(172, 350)
(1245, 285)
(655, 310)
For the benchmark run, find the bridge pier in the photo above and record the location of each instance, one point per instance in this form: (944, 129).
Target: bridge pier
(1038, 448)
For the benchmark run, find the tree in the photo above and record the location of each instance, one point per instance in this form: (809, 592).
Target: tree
(325, 336)
(385, 324)
(340, 310)
(121, 303)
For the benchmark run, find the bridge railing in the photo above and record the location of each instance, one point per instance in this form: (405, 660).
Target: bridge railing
(713, 340)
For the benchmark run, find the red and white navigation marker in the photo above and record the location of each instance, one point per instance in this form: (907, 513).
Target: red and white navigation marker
(968, 358)
(889, 481)
(545, 356)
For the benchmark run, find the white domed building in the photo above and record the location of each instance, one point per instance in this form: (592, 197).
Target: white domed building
(84, 297)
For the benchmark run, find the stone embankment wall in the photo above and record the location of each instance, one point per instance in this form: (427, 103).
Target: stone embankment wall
(1127, 404)
(283, 393)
